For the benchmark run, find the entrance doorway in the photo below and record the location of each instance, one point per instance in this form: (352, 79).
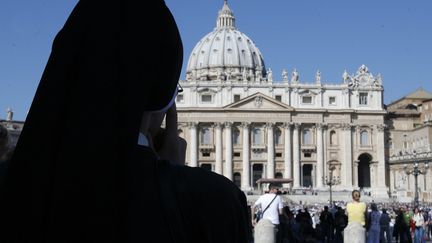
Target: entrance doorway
(307, 175)
(207, 167)
(237, 179)
(364, 170)
(257, 171)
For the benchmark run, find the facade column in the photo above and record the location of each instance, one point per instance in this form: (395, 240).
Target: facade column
(218, 148)
(245, 181)
(228, 172)
(320, 156)
(296, 155)
(348, 161)
(270, 151)
(287, 152)
(193, 149)
(355, 173)
(382, 189)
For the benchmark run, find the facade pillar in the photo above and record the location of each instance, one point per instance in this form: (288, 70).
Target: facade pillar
(270, 151)
(193, 149)
(320, 157)
(381, 188)
(245, 181)
(218, 149)
(296, 155)
(228, 172)
(355, 173)
(348, 161)
(287, 152)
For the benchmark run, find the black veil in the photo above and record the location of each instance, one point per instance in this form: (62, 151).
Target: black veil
(69, 177)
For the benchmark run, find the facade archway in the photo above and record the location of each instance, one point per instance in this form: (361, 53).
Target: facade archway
(307, 175)
(278, 175)
(257, 172)
(237, 179)
(206, 166)
(364, 179)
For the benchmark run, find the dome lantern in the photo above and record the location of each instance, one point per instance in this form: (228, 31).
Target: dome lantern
(225, 18)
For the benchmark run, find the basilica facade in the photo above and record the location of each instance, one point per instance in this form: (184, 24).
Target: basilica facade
(239, 121)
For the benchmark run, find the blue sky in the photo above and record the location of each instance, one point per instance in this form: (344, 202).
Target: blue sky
(391, 37)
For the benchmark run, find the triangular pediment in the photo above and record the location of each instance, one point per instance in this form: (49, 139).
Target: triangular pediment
(258, 101)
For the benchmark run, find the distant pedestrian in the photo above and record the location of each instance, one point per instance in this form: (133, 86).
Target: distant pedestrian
(326, 219)
(385, 235)
(419, 224)
(373, 234)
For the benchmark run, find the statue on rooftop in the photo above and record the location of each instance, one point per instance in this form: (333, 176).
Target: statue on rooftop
(284, 75)
(269, 75)
(295, 76)
(318, 77)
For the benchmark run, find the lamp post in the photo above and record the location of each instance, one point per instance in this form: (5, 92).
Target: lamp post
(331, 180)
(416, 171)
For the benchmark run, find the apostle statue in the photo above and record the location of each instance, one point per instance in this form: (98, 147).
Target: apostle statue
(318, 77)
(285, 75)
(269, 75)
(295, 76)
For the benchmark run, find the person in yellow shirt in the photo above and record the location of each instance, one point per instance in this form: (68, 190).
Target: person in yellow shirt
(356, 211)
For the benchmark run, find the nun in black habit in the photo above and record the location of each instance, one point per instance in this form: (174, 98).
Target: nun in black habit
(78, 174)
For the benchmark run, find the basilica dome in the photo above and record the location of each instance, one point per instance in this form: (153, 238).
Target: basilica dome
(225, 54)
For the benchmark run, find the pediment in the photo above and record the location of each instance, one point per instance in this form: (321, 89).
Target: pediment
(307, 92)
(259, 101)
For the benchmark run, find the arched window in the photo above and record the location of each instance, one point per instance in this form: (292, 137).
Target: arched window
(278, 136)
(333, 138)
(257, 136)
(205, 136)
(236, 136)
(307, 137)
(364, 138)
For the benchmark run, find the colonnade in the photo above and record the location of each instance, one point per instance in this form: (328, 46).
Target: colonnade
(292, 153)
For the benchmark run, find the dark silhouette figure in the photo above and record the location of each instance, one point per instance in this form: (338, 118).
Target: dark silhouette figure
(340, 222)
(385, 227)
(401, 229)
(326, 223)
(287, 221)
(78, 174)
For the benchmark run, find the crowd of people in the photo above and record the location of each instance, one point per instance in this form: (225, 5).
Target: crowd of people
(381, 222)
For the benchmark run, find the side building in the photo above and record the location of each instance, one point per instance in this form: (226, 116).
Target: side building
(409, 142)
(239, 121)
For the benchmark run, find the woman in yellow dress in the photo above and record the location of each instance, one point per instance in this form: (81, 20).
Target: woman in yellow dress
(355, 231)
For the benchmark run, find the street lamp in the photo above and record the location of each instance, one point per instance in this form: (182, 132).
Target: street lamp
(416, 171)
(331, 180)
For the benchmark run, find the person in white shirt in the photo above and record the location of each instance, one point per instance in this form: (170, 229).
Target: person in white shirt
(271, 204)
(419, 224)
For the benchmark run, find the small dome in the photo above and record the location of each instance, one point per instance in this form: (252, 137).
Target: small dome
(225, 53)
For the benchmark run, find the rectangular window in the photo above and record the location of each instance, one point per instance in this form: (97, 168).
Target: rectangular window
(278, 97)
(307, 100)
(206, 154)
(332, 100)
(206, 98)
(307, 155)
(180, 98)
(237, 154)
(236, 97)
(278, 155)
(363, 98)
